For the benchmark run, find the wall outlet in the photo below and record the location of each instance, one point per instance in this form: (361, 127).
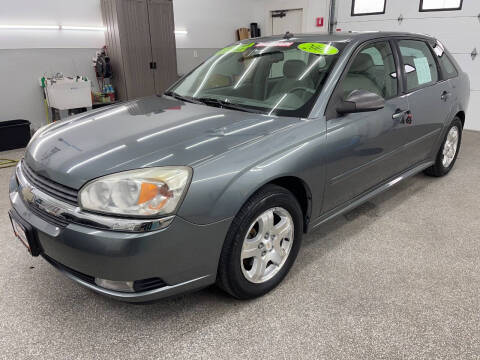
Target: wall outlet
(195, 53)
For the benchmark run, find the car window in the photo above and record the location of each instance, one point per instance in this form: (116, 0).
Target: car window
(277, 68)
(375, 54)
(448, 69)
(420, 67)
(275, 77)
(373, 69)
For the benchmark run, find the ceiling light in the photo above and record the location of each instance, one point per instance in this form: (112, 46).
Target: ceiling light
(52, 27)
(181, 32)
(87, 28)
(30, 27)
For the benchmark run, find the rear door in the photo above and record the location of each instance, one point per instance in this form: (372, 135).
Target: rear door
(430, 99)
(364, 148)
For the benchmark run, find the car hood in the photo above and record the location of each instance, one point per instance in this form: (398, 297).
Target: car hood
(152, 131)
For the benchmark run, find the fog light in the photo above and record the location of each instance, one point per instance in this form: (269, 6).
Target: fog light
(124, 286)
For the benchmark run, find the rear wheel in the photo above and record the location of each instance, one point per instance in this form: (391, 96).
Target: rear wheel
(262, 243)
(447, 155)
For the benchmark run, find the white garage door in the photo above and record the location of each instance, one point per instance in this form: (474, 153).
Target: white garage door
(459, 30)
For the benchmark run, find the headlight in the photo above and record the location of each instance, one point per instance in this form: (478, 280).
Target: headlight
(145, 192)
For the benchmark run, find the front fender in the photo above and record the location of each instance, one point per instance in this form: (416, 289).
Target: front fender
(219, 188)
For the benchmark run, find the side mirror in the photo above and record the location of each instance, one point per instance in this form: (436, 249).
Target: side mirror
(360, 101)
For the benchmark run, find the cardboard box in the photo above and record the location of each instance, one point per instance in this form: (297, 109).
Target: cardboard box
(243, 33)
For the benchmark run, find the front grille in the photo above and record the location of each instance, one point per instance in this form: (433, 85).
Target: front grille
(57, 221)
(50, 187)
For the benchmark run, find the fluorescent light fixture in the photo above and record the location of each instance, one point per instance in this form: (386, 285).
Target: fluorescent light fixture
(30, 27)
(86, 28)
(181, 32)
(52, 27)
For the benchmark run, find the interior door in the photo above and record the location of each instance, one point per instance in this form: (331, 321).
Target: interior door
(287, 20)
(429, 97)
(163, 43)
(364, 148)
(137, 52)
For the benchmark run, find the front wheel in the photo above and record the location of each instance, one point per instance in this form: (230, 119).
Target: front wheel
(261, 244)
(447, 155)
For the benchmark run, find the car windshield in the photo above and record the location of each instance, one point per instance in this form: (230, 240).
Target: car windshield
(276, 78)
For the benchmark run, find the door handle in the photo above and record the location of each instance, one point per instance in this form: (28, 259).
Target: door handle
(405, 116)
(399, 114)
(445, 95)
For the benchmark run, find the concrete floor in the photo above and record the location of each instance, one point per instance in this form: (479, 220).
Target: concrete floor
(398, 277)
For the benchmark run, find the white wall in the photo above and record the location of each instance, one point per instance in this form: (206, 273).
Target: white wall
(458, 30)
(50, 12)
(311, 10)
(25, 55)
(212, 23)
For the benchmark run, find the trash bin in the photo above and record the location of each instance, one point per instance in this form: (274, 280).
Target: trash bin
(14, 134)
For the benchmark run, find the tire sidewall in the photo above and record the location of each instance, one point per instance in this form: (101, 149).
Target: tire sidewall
(444, 170)
(238, 282)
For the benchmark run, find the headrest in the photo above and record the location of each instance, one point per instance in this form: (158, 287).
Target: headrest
(293, 68)
(362, 63)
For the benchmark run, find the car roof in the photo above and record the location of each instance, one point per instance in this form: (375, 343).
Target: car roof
(343, 36)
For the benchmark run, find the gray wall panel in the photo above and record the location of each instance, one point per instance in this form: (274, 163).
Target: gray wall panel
(114, 50)
(163, 42)
(136, 50)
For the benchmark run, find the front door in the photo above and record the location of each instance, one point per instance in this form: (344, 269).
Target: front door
(364, 148)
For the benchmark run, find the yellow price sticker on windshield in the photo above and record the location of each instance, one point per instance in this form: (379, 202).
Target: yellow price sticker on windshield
(318, 48)
(235, 48)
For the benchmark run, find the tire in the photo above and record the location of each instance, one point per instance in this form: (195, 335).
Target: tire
(241, 277)
(441, 167)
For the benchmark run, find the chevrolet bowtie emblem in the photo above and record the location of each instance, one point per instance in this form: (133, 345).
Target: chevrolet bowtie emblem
(27, 194)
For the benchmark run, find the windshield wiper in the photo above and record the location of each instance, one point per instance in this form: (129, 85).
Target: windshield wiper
(271, 53)
(180, 97)
(225, 104)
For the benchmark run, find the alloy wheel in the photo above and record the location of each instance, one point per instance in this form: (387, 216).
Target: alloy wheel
(450, 147)
(267, 245)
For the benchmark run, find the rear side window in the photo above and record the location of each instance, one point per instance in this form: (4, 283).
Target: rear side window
(420, 67)
(448, 69)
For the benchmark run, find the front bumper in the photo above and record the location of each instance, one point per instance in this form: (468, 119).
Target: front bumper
(184, 255)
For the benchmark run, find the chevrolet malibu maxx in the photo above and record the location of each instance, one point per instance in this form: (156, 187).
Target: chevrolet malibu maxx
(218, 179)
